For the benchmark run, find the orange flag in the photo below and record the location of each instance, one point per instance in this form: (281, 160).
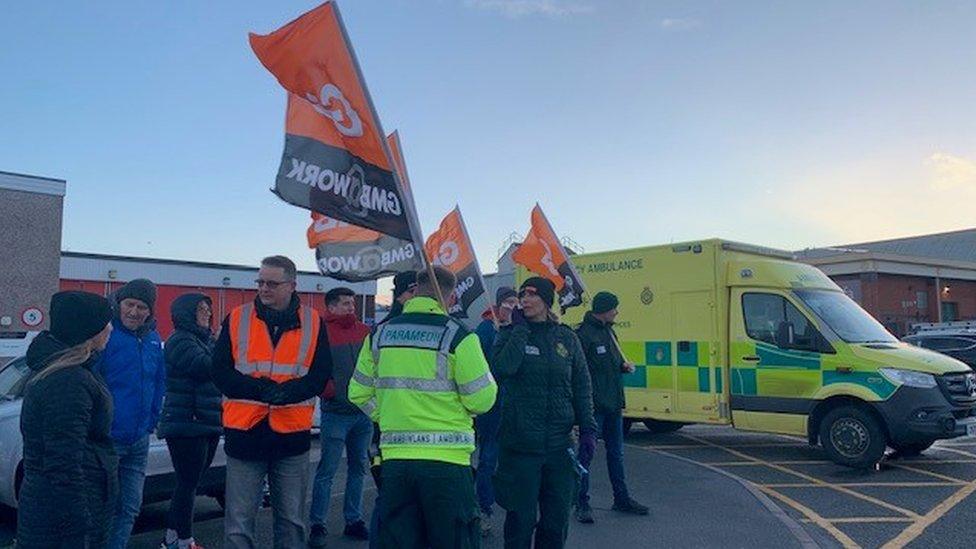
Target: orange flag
(336, 161)
(450, 247)
(543, 254)
(354, 254)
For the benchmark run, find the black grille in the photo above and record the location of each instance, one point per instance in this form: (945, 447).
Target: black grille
(959, 388)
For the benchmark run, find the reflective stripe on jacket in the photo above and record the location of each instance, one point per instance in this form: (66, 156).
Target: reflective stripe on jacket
(255, 356)
(422, 376)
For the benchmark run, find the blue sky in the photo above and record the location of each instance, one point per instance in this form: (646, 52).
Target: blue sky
(778, 123)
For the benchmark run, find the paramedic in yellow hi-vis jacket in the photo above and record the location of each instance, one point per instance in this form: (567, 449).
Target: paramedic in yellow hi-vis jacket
(422, 376)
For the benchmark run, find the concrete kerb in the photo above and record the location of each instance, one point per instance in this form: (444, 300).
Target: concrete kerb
(801, 535)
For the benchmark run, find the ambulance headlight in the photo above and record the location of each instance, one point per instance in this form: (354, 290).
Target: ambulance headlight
(908, 377)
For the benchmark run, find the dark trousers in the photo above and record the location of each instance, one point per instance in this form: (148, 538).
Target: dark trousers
(611, 428)
(486, 430)
(428, 504)
(191, 457)
(537, 491)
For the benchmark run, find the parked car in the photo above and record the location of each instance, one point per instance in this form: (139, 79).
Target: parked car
(160, 478)
(956, 339)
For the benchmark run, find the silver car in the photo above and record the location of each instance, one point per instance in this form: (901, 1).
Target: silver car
(160, 478)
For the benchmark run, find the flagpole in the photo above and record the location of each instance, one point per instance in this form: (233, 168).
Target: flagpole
(411, 210)
(477, 265)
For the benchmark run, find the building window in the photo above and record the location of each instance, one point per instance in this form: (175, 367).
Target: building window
(950, 311)
(922, 301)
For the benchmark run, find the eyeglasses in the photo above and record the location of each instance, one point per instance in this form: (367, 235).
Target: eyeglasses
(271, 284)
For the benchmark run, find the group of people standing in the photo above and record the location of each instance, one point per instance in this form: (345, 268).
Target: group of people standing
(401, 396)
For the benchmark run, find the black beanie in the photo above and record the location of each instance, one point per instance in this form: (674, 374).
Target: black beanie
(76, 317)
(543, 287)
(604, 302)
(141, 289)
(404, 282)
(503, 293)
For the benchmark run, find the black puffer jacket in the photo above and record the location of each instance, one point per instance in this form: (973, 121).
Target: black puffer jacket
(605, 362)
(542, 371)
(70, 466)
(192, 405)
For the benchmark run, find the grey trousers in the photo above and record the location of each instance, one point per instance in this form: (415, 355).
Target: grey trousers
(288, 480)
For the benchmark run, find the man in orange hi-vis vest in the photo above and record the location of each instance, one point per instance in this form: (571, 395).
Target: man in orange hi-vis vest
(271, 360)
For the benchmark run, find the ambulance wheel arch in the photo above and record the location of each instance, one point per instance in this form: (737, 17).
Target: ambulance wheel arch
(850, 430)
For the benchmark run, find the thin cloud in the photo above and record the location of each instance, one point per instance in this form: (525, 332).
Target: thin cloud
(522, 8)
(679, 24)
(951, 172)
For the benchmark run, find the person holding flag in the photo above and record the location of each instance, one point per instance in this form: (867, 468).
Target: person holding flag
(607, 366)
(543, 375)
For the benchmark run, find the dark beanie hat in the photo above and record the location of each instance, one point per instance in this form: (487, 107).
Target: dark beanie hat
(543, 287)
(503, 293)
(404, 282)
(76, 317)
(141, 289)
(604, 302)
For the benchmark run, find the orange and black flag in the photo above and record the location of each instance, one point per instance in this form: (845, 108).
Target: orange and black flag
(543, 254)
(450, 247)
(354, 254)
(335, 162)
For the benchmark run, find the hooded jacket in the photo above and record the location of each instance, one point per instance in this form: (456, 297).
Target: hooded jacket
(70, 465)
(135, 372)
(346, 335)
(193, 404)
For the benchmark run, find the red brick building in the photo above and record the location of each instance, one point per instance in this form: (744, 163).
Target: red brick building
(930, 278)
(227, 285)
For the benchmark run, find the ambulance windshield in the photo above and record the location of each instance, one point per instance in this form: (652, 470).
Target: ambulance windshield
(845, 317)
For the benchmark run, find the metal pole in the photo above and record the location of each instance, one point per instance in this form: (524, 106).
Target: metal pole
(938, 298)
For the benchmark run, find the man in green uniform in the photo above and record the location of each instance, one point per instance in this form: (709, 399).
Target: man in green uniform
(543, 373)
(422, 376)
(607, 366)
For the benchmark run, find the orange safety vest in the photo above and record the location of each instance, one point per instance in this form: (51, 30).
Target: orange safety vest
(255, 356)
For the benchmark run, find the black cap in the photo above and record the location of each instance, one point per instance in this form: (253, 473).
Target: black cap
(77, 317)
(543, 287)
(141, 289)
(604, 302)
(503, 293)
(403, 282)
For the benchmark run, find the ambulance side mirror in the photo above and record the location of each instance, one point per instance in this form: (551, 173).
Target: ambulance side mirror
(784, 335)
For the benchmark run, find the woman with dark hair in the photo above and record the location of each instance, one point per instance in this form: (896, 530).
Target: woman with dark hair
(190, 421)
(70, 484)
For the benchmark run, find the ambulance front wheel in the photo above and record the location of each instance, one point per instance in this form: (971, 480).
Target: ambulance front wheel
(852, 436)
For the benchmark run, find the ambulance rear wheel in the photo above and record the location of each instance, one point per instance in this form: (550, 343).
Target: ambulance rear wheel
(628, 423)
(661, 427)
(852, 436)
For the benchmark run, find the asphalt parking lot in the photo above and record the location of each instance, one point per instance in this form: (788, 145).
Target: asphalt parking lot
(926, 501)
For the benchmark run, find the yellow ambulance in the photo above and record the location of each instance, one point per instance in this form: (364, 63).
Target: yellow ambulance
(733, 334)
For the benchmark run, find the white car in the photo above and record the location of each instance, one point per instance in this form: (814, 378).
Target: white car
(160, 478)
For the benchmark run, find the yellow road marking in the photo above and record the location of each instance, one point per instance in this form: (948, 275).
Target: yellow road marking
(864, 484)
(960, 452)
(916, 529)
(694, 446)
(927, 472)
(754, 464)
(815, 480)
(861, 520)
(840, 536)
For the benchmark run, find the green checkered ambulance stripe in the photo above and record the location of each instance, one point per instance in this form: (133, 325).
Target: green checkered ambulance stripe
(654, 360)
(746, 381)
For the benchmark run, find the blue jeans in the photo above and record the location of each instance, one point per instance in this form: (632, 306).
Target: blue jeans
(486, 428)
(610, 427)
(353, 433)
(132, 477)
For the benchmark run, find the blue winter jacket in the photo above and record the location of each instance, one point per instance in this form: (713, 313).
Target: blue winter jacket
(133, 368)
